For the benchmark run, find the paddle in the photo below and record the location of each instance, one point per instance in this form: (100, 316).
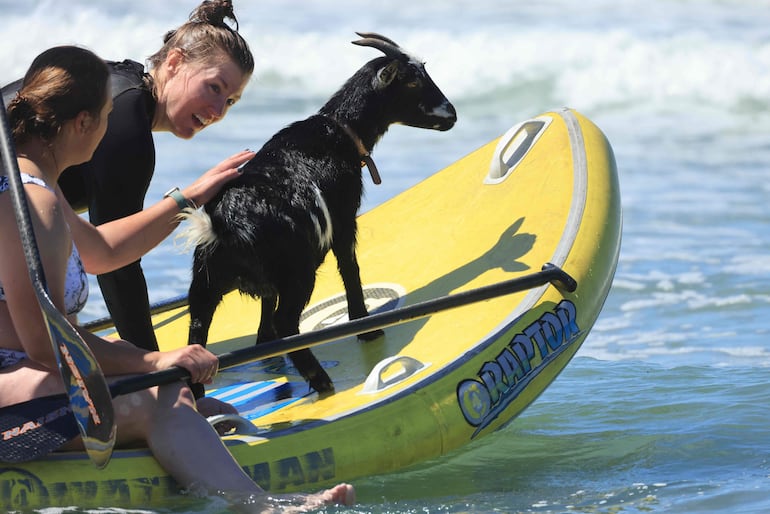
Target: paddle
(549, 274)
(86, 388)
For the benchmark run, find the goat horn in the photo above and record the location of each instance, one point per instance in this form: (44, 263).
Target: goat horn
(381, 43)
(374, 35)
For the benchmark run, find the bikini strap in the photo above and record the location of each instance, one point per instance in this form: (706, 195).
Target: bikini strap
(25, 179)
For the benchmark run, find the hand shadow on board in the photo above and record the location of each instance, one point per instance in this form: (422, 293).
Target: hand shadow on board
(505, 255)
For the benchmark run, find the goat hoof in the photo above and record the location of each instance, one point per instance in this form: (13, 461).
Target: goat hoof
(322, 385)
(325, 394)
(371, 336)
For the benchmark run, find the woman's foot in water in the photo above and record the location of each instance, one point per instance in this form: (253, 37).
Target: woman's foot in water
(342, 494)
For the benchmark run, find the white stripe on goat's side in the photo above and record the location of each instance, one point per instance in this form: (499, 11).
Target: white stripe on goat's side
(324, 234)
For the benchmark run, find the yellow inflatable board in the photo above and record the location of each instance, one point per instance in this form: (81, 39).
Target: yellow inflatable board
(545, 192)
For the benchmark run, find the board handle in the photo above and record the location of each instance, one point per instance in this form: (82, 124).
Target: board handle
(240, 425)
(379, 379)
(513, 146)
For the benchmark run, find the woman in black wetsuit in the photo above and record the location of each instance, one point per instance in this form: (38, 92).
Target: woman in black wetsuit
(193, 79)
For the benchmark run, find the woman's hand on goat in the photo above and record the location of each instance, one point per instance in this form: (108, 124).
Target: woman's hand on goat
(209, 184)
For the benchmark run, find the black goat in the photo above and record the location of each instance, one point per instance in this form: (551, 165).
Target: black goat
(267, 232)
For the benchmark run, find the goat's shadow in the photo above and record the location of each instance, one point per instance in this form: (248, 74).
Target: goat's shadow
(505, 254)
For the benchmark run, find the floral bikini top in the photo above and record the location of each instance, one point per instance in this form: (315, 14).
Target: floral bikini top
(76, 285)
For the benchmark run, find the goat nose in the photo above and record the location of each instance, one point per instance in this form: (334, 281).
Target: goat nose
(452, 111)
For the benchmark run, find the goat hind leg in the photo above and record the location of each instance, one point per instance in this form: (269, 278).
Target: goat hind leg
(203, 298)
(266, 331)
(286, 320)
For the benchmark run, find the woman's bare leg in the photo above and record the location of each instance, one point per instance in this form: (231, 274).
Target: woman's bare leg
(181, 440)
(190, 450)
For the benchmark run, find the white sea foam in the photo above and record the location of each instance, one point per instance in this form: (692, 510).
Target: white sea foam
(749, 264)
(633, 65)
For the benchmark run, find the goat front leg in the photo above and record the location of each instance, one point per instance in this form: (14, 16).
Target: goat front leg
(347, 264)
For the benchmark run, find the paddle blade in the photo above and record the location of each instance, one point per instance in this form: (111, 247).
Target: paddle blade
(34, 428)
(88, 392)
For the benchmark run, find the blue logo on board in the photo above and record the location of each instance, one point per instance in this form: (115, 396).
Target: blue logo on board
(499, 382)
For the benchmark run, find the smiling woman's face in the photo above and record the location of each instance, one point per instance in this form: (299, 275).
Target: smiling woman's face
(195, 95)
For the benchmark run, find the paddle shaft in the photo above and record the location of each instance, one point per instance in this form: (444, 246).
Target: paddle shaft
(549, 274)
(85, 384)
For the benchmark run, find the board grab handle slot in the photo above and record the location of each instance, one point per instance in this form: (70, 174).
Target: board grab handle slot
(239, 424)
(513, 146)
(384, 376)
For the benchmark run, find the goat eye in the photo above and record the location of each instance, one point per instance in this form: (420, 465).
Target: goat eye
(413, 84)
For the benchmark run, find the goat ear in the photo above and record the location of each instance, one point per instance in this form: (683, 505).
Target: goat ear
(386, 75)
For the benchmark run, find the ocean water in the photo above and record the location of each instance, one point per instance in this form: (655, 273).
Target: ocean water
(664, 408)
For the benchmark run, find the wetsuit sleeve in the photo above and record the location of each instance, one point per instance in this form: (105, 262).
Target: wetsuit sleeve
(115, 182)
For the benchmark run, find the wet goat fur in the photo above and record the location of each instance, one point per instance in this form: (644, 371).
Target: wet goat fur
(268, 242)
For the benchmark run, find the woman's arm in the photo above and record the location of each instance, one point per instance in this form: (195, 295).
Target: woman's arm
(123, 358)
(29, 331)
(120, 242)
(28, 327)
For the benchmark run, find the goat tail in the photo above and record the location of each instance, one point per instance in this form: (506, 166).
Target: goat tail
(198, 232)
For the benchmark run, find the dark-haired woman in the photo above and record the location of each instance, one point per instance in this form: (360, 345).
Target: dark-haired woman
(197, 75)
(57, 120)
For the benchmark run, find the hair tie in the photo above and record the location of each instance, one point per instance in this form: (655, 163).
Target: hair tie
(20, 99)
